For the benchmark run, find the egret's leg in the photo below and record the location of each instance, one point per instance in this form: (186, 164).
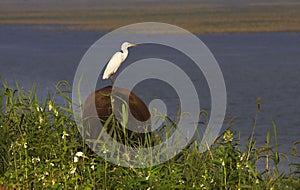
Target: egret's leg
(112, 79)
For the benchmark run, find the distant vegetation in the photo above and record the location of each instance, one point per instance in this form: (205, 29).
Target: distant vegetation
(41, 148)
(203, 17)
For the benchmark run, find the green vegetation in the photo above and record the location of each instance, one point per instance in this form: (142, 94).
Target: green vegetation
(41, 148)
(197, 17)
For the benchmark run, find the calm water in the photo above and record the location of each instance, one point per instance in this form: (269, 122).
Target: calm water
(264, 65)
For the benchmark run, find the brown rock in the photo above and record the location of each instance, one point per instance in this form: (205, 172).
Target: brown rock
(98, 108)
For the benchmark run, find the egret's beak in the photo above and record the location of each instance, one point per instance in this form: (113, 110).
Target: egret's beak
(132, 45)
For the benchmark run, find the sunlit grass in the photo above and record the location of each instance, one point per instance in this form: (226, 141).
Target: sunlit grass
(41, 148)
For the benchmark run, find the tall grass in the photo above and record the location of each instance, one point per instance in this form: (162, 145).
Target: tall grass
(41, 148)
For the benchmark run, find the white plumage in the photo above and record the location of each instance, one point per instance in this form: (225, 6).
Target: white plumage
(116, 60)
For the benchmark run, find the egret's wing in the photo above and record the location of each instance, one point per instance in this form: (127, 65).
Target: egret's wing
(113, 65)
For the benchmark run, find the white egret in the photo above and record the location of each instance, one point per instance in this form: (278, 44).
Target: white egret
(115, 61)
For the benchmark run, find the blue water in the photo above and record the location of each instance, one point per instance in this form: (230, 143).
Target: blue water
(264, 65)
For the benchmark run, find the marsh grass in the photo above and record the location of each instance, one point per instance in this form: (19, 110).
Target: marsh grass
(41, 148)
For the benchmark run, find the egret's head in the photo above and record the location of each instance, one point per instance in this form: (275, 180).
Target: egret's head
(126, 45)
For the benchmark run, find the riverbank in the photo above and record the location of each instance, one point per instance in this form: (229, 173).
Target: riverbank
(41, 148)
(203, 17)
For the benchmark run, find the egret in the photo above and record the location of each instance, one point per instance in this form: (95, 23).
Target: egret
(115, 61)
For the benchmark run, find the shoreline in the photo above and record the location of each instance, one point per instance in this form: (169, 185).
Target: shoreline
(63, 27)
(198, 18)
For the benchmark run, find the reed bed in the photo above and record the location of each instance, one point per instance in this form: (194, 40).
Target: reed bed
(41, 148)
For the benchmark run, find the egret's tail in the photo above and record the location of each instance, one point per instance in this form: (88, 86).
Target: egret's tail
(105, 76)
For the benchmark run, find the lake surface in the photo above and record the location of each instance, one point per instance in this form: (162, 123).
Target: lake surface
(265, 65)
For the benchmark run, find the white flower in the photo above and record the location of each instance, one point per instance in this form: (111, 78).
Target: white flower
(51, 164)
(75, 159)
(65, 134)
(25, 145)
(79, 154)
(223, 163)
(35, 159)
(147, 178)
(93, 167)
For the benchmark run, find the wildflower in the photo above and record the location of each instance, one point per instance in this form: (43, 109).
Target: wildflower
(25, 145)
(65, 134)
(228, 136)
(147, 178)
(73, 170)
(79, 154)
(242, 157)
(41, 178)
(50, 105)
(38, 108)
(55, 112)
(93, 167)
(41, 119)
(52, 164)
(35, 159)
(75, 159)
(223, 163)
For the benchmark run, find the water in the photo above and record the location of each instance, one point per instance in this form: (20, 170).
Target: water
(264, 65)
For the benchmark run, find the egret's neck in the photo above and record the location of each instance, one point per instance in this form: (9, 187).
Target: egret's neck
(125, 53)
